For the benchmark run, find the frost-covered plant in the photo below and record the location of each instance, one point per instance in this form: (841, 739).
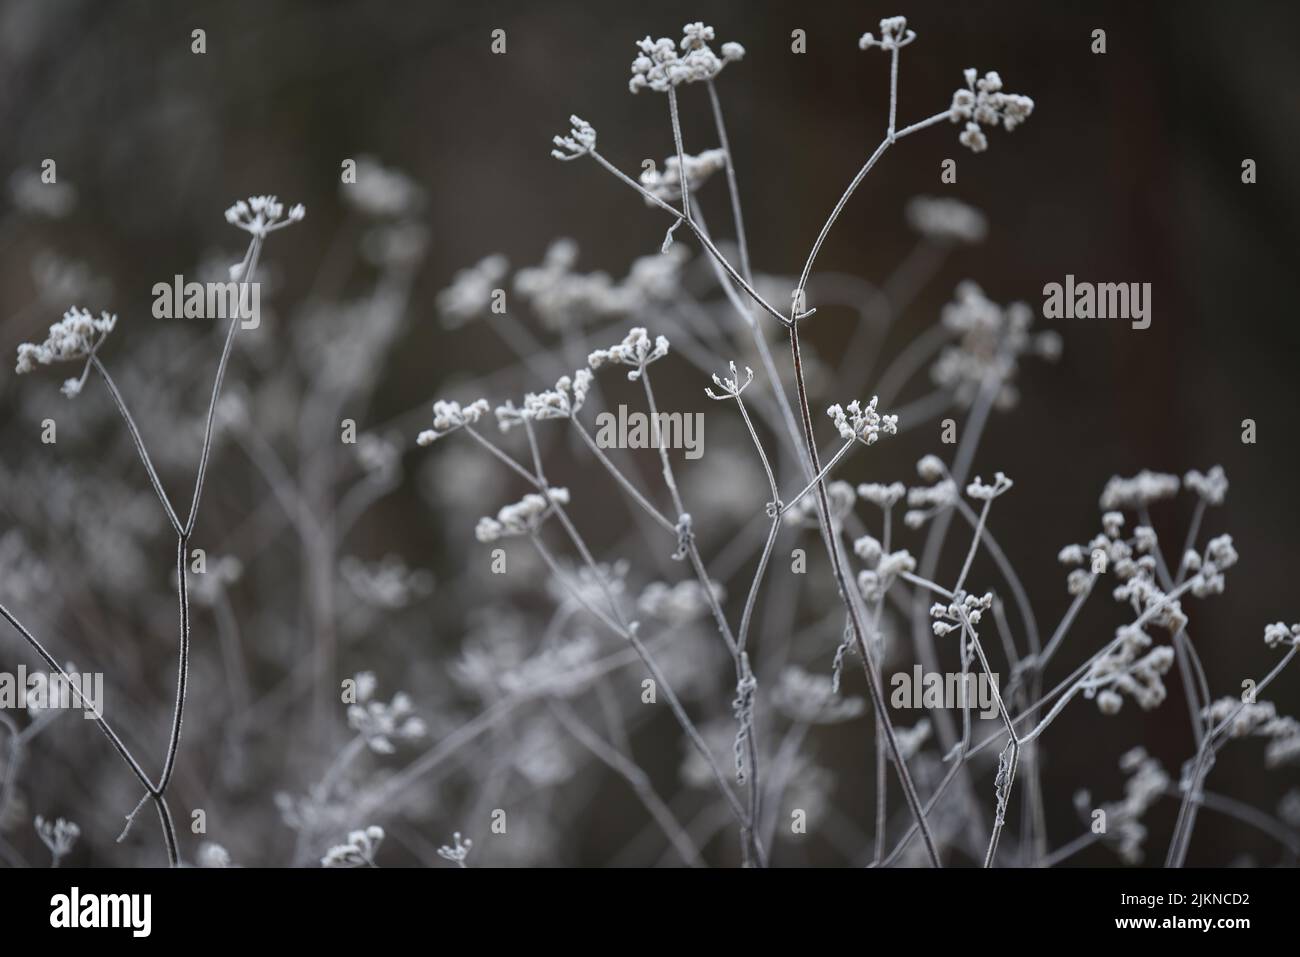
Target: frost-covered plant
(80, 335)
(59, 836)
(559, 670)
(358, 850)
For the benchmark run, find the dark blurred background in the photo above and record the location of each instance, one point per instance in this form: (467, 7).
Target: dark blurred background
(1129, 170)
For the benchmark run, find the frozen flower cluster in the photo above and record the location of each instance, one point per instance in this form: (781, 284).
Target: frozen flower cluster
(387, 583)
(1212, 487)
(564, 298)
(926, 501)
(382, 723)
(1139, 491)
(677, 604)
(730, 388)
(1219, 556)
(862, 423)
(839, 495)
(380, 191)
(470, 292)
(666, 183)
(520, 518)
(581, 587)
(457, 851)
(358, 850)
(1128, 670)
(659, 67)
(59, 280)
(580, 141)
(59, 835)
(810, 698)
(562, 402)
(1278, 634)
(982, 103)
(1133, 562)
(963, 608)
(76, 336)
(1259, 719)
(983, 492)
(945, 220)
(991, 341)
(882, 496)
(222, 572)
(557, 670)
(894, 35)
(212, 855)
(260, 215)
(883, 568)
(1147, 783)
(31, 194)
(636, 350)
(450, 416)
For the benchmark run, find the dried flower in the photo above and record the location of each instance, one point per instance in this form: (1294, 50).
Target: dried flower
(1139, 491)
(884, 496)
(992, 340)
(1121, 670)
(658, 66)
(666, 184)
(521, 518)
(458, 851)
(839, 496)
(931, 468)
(389, 583)
(261, 215)
(862, 424)
(212, 855)
(1211, 487)
(875, 582)
(987, 493)
(358, 851)
(60, 836)
(983, 103)
(557, 670)
(76, 336)
(963, 608)
(1278, 634)
(562, 402)
(811, 699)
(380, 191)
(379, 723)
(945, 220)
(450, 416)
(677, 604)
(470, 293)
(894, 35)
(580, 141)
(730, 388)
(635, 350)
